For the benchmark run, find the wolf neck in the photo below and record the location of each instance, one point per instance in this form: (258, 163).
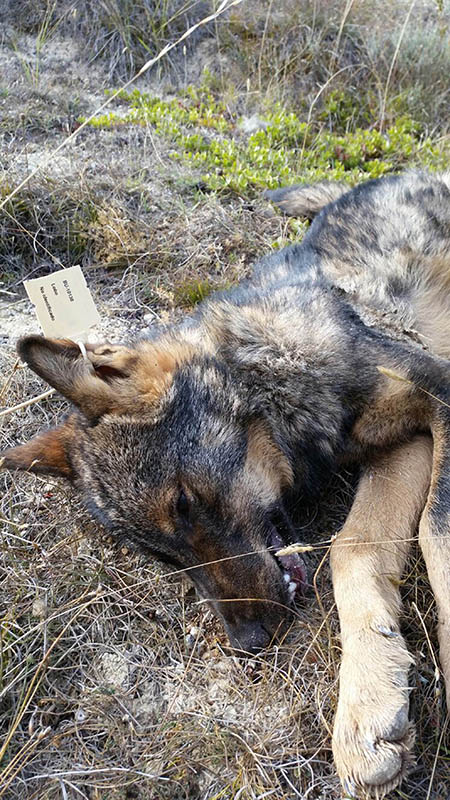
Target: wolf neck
(298, 367)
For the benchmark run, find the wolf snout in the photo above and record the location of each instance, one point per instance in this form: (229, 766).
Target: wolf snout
(249, 637)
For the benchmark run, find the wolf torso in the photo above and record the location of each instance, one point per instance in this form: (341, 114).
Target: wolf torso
(368, 285)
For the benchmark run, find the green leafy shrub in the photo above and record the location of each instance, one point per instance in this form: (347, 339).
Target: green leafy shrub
(284, 150)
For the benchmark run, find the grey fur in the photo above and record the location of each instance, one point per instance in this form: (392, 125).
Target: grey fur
(306, 200)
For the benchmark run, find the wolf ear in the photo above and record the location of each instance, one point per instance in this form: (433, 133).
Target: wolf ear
(45, 454)
(85, 382)
(112, 379)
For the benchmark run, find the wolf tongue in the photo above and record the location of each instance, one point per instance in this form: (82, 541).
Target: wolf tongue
(295, 566)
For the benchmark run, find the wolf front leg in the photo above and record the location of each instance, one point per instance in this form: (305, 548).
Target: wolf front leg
(373, 737)
(434, 538)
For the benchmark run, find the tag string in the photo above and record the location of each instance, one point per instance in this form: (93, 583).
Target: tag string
(82, 349)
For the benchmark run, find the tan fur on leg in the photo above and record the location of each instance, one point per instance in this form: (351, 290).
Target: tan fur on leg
(372, 737)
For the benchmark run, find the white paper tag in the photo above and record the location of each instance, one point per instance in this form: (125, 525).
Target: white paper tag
(63, 303)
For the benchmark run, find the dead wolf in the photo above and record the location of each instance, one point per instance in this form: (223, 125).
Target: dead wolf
(193, 444)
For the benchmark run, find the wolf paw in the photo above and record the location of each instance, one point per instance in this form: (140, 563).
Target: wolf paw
(372, 762)
(373, 737)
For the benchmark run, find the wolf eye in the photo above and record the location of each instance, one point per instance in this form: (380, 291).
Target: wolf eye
(183, 506)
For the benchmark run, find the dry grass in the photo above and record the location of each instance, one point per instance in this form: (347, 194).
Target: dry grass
(114, 680)
(123, 34)
(291, 48)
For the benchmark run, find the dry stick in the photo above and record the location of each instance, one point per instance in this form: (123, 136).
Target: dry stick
(94, 771)
(395, 376)
(22, 757)
(347, 10)
(437, 672)
(325, 615)
(224, 6)
(27, 402)
(263, 41)
(437, 676)
(394, 59)
(350, 542)
(438, 750)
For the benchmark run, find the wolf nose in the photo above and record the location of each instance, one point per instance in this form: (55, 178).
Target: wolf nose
(250, 637)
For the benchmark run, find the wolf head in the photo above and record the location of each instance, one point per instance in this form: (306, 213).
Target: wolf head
(165, 453)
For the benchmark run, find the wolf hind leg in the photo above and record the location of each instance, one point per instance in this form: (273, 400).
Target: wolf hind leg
(305, 200)
(373, 737)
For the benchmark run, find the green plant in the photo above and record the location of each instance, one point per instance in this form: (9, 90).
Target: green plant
(285, 149)
(192, 292)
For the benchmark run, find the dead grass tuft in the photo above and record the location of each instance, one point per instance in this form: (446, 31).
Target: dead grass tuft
(123, 34)
(294, 49)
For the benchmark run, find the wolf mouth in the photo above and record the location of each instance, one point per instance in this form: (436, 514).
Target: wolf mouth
(292, 566)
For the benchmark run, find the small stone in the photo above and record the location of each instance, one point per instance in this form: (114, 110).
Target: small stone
(252, 124)
(39, 608)
(114, 668)
(192, 638)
